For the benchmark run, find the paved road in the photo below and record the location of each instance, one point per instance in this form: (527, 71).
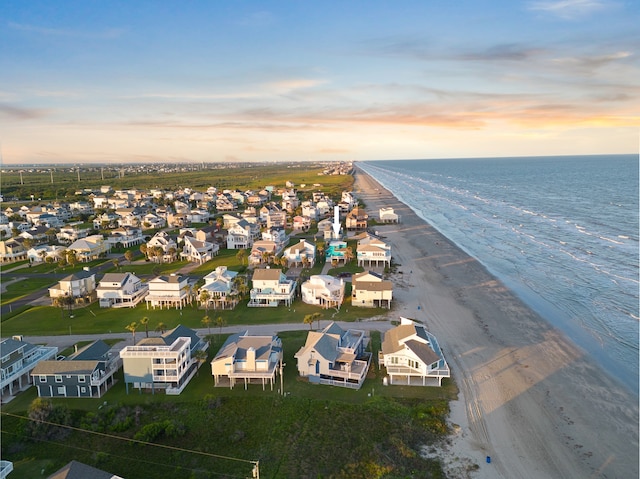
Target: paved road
(66, 341)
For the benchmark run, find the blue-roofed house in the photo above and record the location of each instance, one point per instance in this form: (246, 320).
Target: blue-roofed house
(334, 356)
(88, 372)
(17, 359)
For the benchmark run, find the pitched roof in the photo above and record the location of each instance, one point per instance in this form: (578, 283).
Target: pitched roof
(262, 274)
(96, 350)
(78, 470)
(65, 367)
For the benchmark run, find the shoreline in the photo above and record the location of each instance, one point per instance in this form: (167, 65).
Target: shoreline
(529, 398)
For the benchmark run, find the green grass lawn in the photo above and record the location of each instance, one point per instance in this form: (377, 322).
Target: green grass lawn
(23, 287)
(249, 425)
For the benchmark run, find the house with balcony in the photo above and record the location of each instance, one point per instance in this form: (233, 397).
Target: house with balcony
(372, 251)
(12, 250)
(323, 290)
(81, 286)
(271, 288)
(17, 359)
(301, 223)
(70, 233)
(39, 254)
(169, 291)
(242, 234)
(387, 215)
(357, 219)
(301, 254)
(197, 251)
(369, 290)
(412, 356)
(165, 363)
(165, 243)
(87, 373)
(335, 357)
(90, 248)
(121, 290)
(220, 284)
(247, 359)
(263, 251)
(126, 236)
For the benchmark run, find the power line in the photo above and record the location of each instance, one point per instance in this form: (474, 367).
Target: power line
(128, 458)
(136, 441)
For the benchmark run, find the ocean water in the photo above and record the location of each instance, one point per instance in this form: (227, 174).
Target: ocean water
(561, 232)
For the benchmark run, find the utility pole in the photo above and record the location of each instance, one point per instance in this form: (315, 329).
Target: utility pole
(78, 173)
(51, 176)
(282, 365)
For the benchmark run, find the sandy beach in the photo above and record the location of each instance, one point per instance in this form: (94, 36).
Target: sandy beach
(529, 399)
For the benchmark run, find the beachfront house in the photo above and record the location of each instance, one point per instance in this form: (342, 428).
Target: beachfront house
(270, 288)
(357, 219)
(249, 359)
(323, 290)
(87, 373)
(121, 290)
(412, 356)
(387, 215)
(369, 290)
(334, 356)
(372, 251)
(17, 359)
(165, 363)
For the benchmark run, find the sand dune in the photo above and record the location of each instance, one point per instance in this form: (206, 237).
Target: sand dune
(530, 399)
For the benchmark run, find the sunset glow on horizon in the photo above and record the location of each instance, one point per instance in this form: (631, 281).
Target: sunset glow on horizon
(94, 82)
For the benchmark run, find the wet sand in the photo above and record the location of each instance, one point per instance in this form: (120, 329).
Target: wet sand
(529, 399)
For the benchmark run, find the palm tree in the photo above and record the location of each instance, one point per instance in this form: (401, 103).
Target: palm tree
(206, 321)
(161, 327)
(132, 327)
(51, 233)
(220, 322)
(309, 319)
(200, 355)
(116, 263)
(144, 250)
(241, 255)
(145, 322)
(205, 296)
(128, 255)
(348, 254)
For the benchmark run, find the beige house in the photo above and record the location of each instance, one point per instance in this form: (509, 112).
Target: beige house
(12, 250)
(334, 356)
(357, 219)
(81, 286)
(247, 358)
(412, 356)
(271, 288)
(369, 290)
(372, 251)
(301, 253)
(197, 251)
(90, 248)
(387, 215)
(169, 291)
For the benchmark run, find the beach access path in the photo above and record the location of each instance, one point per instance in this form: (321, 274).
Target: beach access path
(530, 402)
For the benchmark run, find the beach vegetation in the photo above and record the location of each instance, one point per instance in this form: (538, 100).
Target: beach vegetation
(278, 430)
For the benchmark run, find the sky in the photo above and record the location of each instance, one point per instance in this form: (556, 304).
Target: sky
(224, 81)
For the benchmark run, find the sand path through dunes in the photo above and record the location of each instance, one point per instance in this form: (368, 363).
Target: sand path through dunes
(530, 399)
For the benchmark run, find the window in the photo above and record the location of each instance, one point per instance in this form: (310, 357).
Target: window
(83, 390)
(82, 379)
(62, 390)
(43, 379)
(58, 378)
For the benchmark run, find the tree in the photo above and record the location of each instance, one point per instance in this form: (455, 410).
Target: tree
(200, 355)
(221, 322)
(132, 327)
(161, 327)
(220, 221)
(116, 263)
(128, 255)
(309, 319)
(27, 243)
(316, 316)
(144, 250)
(72, 259)
(206, 321)
(241, 255)
(205, 296)
(348, 254)
(51, 233)
(145, 322)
